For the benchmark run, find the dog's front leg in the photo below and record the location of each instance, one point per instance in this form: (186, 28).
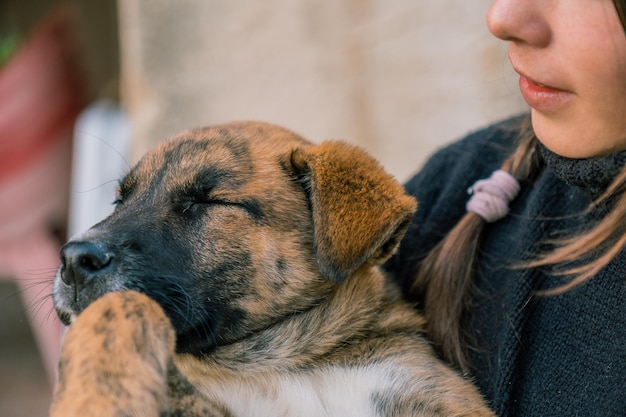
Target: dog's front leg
(117, 360)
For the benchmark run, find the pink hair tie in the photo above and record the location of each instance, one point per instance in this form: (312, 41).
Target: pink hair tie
(491, 197)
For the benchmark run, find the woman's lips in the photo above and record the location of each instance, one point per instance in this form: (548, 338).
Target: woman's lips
(543, 98)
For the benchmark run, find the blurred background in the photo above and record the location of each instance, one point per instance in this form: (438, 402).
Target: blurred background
(87, 86)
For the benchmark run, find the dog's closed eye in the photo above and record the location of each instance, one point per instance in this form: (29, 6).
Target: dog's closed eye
(124, 189)
(196, 203)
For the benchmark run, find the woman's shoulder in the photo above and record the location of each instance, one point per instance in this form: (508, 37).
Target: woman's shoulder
(440, 188)
(478, 153)
(452, 169)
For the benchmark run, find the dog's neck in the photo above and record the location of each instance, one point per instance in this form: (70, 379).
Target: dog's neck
(359, 307)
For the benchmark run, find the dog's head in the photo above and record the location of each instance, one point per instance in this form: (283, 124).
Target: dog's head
(234, 227)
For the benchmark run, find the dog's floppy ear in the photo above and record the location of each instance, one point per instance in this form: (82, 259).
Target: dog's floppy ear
(359, 211)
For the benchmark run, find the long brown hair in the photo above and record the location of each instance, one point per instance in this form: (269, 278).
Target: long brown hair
(445, 277)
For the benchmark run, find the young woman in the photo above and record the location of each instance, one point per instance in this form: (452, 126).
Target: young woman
(524, 284)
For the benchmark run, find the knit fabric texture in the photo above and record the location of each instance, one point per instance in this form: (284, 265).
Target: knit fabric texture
(562, 355)
(593, 175)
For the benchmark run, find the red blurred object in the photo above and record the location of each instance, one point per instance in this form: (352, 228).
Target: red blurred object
(41, 95)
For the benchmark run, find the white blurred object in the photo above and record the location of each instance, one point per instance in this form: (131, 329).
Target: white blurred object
(101, 143)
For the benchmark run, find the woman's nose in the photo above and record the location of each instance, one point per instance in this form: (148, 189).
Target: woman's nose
(524, 21)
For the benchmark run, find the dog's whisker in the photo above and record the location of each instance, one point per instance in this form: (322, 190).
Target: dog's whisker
(177, 300)
(42, 271)
(46, 316)
(107, 144)
(88, 190)
(192, 308)
(50, 314)
(27, 284)
(36, 305)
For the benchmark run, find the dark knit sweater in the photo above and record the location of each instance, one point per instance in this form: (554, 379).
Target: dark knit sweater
(563, 355)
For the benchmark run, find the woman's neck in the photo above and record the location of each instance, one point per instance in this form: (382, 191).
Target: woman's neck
(593, 175)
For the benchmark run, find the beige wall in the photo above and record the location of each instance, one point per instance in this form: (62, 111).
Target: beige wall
(398, 77)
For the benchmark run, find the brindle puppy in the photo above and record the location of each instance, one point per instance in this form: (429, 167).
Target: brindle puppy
(238, 276)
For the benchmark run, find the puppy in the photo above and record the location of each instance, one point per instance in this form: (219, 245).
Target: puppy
(238, 276)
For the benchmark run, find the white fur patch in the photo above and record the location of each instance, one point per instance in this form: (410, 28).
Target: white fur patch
(333, 391)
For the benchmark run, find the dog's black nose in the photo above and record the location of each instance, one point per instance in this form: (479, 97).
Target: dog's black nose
(81, 261)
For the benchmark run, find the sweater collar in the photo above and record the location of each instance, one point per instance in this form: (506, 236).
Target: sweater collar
(593, 175)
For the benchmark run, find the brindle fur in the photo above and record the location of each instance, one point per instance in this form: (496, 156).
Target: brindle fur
(239, 276)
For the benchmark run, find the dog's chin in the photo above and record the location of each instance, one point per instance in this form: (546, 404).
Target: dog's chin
(66, 317)
(69, 304)
(67, 310)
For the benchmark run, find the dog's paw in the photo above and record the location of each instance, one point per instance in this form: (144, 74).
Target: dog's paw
(115, 359)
